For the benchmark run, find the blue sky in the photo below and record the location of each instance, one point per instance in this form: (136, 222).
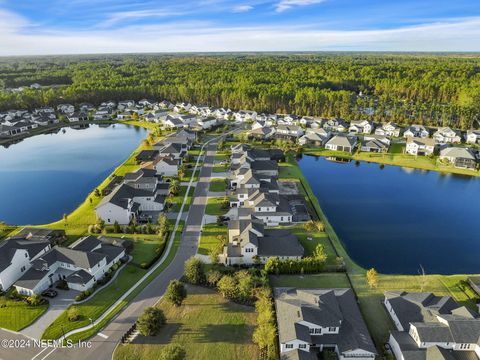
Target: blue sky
(106, 26)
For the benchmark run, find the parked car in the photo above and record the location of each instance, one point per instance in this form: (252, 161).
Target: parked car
(49, 293)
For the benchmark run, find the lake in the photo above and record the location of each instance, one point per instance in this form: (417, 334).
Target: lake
(396, 219)
(46, 176)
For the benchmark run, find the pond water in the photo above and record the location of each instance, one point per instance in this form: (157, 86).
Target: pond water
(398, 220)
(46, 176)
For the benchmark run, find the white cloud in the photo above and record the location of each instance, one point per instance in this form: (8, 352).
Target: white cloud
(242, 8)
(118, 17)
(17, 38)
(288, 4)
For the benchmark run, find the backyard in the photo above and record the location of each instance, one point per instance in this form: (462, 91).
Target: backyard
(215, 206)
(206, 325)
(209, 239)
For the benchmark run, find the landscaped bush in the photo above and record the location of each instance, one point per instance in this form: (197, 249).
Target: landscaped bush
(151, 321)
(73, 314)
(35, 300)
(302, 266)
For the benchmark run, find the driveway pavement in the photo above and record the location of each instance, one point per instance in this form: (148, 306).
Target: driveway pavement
(57, 305)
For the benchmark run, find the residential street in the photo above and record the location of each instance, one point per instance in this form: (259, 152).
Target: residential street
(105, 343)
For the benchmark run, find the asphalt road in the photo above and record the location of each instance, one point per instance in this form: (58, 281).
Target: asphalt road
(104, 344)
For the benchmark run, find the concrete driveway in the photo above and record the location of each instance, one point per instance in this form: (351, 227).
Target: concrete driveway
(57, 305)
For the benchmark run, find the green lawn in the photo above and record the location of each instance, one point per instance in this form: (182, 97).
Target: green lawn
(221, 156)
(15, 315)
(146, 247)
(206, 325)
(325, 280)
(219, 168)
(317, 238)
(217, 185)
(188, 175)
(214, 206)
(208, 239)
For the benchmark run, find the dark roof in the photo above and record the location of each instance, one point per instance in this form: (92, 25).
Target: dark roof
(79, 277)
(279, 242)
(323, 306)
(9, 247)
(147, 155)
(297, 354)
(81, 259)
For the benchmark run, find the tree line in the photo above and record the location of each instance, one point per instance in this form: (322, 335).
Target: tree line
(436, 90)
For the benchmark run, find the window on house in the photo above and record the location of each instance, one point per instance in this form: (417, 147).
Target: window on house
(318, 331)
(302, 346)
(288, 346)
(26, 255)
(311, 331)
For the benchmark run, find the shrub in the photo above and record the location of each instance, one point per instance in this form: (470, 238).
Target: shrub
(175, 293)
(35, 300)
(73, 314)
(227, 286)
(172, 352)
(194, 271)
(213, 277)
(151, 321)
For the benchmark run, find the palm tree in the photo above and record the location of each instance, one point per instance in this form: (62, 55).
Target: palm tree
(174, 187)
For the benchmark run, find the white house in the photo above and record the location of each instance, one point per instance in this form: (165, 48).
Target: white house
(473, 137)
(419, 146)
(16, 255)
(166, 166)
(312, 320)
(447, 135)
(360, 127)
(80, 266)
(417, 131)
(389, 129)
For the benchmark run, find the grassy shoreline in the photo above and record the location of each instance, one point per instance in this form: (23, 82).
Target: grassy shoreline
(395, 159)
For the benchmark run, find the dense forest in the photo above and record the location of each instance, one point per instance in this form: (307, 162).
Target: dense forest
(431, 89)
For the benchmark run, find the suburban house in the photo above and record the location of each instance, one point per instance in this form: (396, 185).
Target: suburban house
(270, 207)
(207, 122)
(419, 146)
(291, 132)
(262, 133)
(430, 326)
(342, 143)
(140, 191)
(375, 143)
(166, 166)
(360, 127)
(317, 320)
(245, 115)
(447, 135)
(417, 131)
(335, 125)
(249, 242)
(77, 116)
(175, 150)
(314, 137)
(79, 266)
(389, 129)
(173, 123)
(16, 256)
(53, 235)
(460, 157)
(146, 156)
(473, 137)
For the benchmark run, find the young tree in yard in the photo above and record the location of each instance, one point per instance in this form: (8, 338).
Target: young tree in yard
(372, 278)
(319, 253)
(194, 271)
(116, 227)
(174, 187)
(172, 352)
(162, 224)
(264, 336)
(227, 286)
(181, 171)
(151, 321)
(175, 293)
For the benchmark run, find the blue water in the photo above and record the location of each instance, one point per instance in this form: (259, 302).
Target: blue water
(396, 219)
(46, 176)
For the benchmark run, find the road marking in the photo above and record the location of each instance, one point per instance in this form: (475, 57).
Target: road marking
(49, 353)
(41, 352)
(102, 335)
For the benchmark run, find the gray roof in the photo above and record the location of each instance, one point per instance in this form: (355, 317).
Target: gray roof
(81, 259)
(79, 277)
(297, 354)
(334, 307)
(457, 152)
(342, 140)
